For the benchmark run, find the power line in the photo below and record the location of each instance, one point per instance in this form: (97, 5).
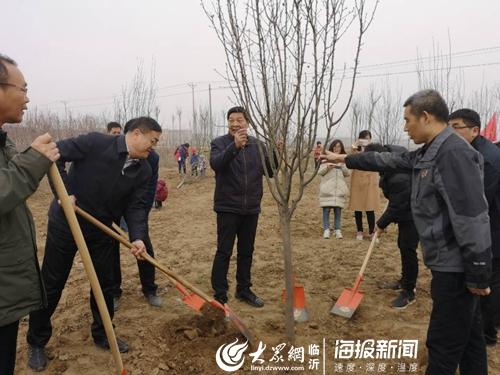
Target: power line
(465, 53)
(361, 68)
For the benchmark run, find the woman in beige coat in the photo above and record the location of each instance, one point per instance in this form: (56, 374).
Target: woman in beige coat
(333, 190)
(364, 193)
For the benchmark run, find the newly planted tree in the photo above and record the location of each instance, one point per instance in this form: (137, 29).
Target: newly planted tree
(280, 59)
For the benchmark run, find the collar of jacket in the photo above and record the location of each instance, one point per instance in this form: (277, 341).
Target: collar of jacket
(121, 145)
(430, 152)
(3, 138)
(477, 142)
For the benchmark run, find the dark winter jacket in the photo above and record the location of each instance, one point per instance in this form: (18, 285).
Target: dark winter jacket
(396, 187)
(100, 185)
(491, 156)
(448, 203)
(238, 175)
(21, 288)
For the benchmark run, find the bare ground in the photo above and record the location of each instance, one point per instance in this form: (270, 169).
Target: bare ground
(174, 340)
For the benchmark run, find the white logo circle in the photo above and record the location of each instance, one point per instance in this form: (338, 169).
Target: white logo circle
(229, 357)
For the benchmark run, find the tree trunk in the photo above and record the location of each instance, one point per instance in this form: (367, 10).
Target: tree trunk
(287, 253)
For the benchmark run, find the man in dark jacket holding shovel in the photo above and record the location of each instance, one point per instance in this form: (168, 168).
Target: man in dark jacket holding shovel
(108, 178)
(451, 216)
(21, 288)
(236, 160)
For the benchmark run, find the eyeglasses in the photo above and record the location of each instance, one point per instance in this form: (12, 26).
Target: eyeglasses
(23, 89)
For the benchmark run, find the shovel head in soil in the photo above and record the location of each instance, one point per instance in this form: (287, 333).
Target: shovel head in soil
(192, 300)
(348, 301)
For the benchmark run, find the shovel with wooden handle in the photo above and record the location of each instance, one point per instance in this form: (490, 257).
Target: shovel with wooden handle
(350, 299)
(190, 299)
(69, 212)
(238, 323)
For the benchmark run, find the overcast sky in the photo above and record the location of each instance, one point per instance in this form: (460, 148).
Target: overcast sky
(80, 53)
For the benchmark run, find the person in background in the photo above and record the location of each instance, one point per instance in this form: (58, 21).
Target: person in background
(114, 128)
(396, 187)
(194, 161)
(467, 123)
(364, 191)
(161, 194)
(317, 152)
(333, 190)
(181, 154)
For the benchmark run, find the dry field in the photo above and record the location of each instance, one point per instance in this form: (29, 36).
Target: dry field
(166, 341)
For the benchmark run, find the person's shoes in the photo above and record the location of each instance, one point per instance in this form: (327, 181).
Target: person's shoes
(116, 303)
(37, 358)
(326, 233)
(338, 234)
(490, 340)
(222, 298)
(359, 236)
(249, 297)
(393, 285)
(154, 300)
(404, 300)
(104, 344)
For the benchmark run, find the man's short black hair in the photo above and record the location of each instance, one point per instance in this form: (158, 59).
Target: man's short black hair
(318, 143)
(469, 117)
(146, 124)
(376, 147)
(238, 110)
(365, 133)
(429, 101)
(4, 75)
(112, 125)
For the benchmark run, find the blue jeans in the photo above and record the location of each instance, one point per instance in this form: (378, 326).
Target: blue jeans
(337, 212)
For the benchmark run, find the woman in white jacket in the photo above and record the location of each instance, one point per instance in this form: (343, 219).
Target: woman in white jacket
(333, 190)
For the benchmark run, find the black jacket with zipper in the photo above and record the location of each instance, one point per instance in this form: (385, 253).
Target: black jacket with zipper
(396, 187)
(238, 175)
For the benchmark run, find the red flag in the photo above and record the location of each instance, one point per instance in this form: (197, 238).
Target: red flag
(490, 131)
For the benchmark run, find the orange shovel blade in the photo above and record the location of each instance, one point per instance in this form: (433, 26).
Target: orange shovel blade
(194, 301)
(347, 303)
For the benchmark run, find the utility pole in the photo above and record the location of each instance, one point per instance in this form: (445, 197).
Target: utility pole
(179, 114)
(173, 124)
(210, 123)
(65, 102)
(193, 85)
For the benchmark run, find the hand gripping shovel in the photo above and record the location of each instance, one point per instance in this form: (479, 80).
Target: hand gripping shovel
(238, 323)
(350, 299)
(190, 299)
(67, 207)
